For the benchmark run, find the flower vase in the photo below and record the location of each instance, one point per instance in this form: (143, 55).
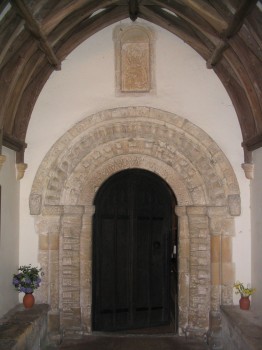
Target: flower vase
(244, 303)
(28, 300)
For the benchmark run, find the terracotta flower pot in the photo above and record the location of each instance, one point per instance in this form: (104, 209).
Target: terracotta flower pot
(244, 303)
(28, 300)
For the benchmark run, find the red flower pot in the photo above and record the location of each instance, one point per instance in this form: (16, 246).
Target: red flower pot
(244, 303)
(28, 300)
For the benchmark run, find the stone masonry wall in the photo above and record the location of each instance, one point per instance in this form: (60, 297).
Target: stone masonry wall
(180, 153)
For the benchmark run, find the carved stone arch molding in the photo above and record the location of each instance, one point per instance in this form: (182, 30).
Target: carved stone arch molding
(184, 156)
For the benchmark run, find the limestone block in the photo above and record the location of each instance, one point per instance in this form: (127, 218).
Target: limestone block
(54, 322)
(183, 289)
(183, 248)
(86, 319)
(199, 243)
(197, 232)
(198, 320)
(54, 295)
(199, 261)
(35, 203)
(234, 202)
(54, 272)
(50, 210)
(215, 297)
(73, 210)
(183, 265)
(228, 274)
(43, 242)
(222, 225)
(216, 249)
(199, 211)
(54, 241)
(67, 321)
(200, 254)
(203, 274)
(183, 228)
(229, 227)
(197, 223)
(227, 294)
(42, 293)
(197, 132)
(72, 221)
(181, 211)
(215, 274)
(43, 257)
(217, 211)
(203, 290)
(89, 271)
(226, 249)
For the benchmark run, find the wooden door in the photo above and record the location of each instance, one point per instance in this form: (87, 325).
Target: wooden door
(131, 255)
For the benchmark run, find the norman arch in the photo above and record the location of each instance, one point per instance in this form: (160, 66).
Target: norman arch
(192, 165)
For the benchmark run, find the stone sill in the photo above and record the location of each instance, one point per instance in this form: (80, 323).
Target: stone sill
(246, 326)
(22, 329)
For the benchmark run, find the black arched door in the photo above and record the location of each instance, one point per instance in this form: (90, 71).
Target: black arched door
(131, 252)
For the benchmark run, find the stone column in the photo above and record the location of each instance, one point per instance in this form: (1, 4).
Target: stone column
(69, 277)
(86, 268)
(222, 267)
(223, 270)
(183, 268)
(48, 224)
(199, 265)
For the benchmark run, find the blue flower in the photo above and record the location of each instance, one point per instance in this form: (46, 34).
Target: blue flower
(15, 281)
(27, 280)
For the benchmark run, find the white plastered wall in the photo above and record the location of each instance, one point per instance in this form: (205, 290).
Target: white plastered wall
(184, 86)
(9, 235)
(256, 224)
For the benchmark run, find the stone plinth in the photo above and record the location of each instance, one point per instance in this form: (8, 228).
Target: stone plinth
(241, 329)
(22, 329)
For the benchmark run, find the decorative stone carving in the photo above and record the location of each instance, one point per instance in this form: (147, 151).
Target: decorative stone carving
(35, 204)
(249, 170)
(234, 204)
(135, 64)
(2, 160)
(134, 57)
(20, 170)
(180, 153)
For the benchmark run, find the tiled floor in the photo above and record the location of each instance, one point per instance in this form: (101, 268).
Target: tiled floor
(133, 342)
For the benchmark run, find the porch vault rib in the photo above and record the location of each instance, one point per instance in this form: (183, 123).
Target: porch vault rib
(37, 33)
(233, 28)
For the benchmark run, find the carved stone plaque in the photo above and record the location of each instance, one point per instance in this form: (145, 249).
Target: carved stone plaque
(135, 67)
(134, 53)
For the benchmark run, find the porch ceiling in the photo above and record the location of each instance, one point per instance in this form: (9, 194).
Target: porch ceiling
(36, 36)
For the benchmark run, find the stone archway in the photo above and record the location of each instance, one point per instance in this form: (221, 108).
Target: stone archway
(191, 164)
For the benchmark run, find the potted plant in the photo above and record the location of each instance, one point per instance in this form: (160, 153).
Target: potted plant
(245, 293)
(27, 280)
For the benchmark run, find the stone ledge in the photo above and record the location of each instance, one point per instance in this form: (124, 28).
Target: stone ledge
(241, 330)
(24, 329)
